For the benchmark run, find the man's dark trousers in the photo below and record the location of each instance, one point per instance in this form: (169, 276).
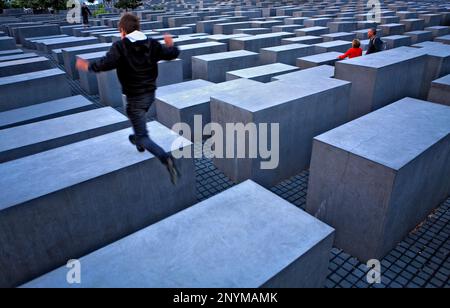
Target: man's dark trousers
(137, 108)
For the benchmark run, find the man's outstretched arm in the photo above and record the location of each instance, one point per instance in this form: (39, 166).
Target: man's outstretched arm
(169, 51)
(106, 63)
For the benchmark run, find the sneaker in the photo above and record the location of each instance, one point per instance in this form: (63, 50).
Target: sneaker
(173, 170)
(132, 139)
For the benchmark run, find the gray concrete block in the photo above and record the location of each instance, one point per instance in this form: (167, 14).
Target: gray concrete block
(7, 43)
(317, 22)
(327, 58)
(229, 27)
(30, 42)
(321, 71)
(256, 42)
(440, 91)
(28, 139)
(437, 64)
(342, 26)
(225, 38)
(34, 31)
(191, 50)
(286, 28)
(419, 36)
(394, 41)
(169, 72)
(76, 200)
(301, 110)
(175, 31)
(69, 56)
(376, 178)
(10, 52)
(58, 43)
(208, 25)
(252, 31)
(342, 36)
(288, 252)
(44, 111)
(286, 54)
(312, 31)
(181, 20)
(392, 29)
(21, 66)
(109, 88)
(372, 76)
(337, 45)
(88, 80)
(295, 21)
(213, 67)
(31, 88)
(443, 39)
(263, 73)
(413, 24)
(18, 56)
(438, 30)
(431, 20)
(182, 106)
(307, 39)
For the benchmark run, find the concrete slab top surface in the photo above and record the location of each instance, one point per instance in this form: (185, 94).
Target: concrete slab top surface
(385, 58)
(259, 235)
(203, 95)
(31, 76)
(264, 96)
(394, 135)
(81, 48)
(33, 111)
(226, 55)
(41, 131)
(46, 172)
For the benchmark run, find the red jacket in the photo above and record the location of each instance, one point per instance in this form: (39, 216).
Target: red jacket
(352, 53)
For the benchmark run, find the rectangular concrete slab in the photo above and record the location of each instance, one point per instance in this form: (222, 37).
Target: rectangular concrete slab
(376, 178)
(282, 247)
(30, 88)
(21, 66)
(440, 91)
(327, 58)
(76, 200)
(70, 53)
(372, 76)
(286, 54)
(183, 106)
(301, 110)
(263, 73)
(29, 139)
(213, 67)
(44, 111)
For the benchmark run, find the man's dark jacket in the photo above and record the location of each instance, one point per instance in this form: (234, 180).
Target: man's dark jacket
(136, 64)
(375, 45)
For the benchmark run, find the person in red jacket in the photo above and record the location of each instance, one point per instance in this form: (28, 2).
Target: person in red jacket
(353, 52)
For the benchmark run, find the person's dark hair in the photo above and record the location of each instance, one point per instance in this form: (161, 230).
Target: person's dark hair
(374, 31)
(129, 23)
(356, 43)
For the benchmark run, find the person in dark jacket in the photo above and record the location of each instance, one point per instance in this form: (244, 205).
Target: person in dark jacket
(85, 13)
(135, 58)
(375, 43)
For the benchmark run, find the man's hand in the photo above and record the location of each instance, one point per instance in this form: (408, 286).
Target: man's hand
(82, 65)
(168, 41)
